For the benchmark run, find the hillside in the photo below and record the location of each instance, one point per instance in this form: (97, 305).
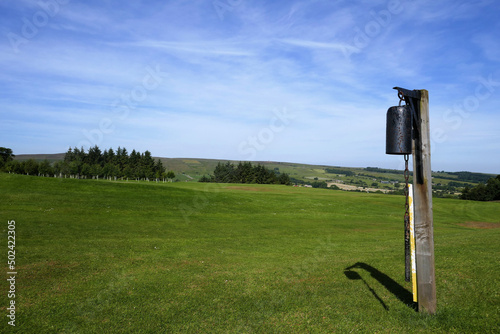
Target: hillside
(348, 178)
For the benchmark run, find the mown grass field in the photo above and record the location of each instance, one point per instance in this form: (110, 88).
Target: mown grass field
(127, 257)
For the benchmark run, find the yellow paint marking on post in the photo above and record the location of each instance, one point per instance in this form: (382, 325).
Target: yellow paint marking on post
(412, 244)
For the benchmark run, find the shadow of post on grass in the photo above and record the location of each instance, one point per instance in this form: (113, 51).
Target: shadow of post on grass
(391, 285)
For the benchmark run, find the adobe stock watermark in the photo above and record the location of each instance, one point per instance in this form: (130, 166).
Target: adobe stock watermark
(31, 27)
(454, 117)
(124, 105)
(200, 201)
(313, 262)
(11, 272)
(253, 144)
(99, 302)
(373, 28)
(223, 6)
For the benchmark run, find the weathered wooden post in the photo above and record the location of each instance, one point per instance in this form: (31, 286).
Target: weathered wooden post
(424, 231)
(418, 103)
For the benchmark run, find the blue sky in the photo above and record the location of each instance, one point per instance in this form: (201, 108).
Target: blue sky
(296, 81)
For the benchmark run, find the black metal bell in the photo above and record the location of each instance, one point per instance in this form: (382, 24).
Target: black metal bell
(398, 130)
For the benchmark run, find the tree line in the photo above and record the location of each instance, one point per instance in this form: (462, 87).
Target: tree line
(483, 192)
(468, 177)
(95, 164)
(336, 170)
(383, 170)
(245, 172)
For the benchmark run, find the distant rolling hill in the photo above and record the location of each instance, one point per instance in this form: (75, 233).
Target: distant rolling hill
(40, 157)
(192, 169)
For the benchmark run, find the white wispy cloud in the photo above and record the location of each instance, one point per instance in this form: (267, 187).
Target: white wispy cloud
(333, 64)
(197, 47)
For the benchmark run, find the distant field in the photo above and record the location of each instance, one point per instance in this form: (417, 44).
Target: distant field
(191, 170)
(128, 257)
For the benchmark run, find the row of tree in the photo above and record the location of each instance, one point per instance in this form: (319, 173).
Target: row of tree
(335, 170)
(245, 172)
(483, 192)
(6, 156)
(467, 176)
(95, 163)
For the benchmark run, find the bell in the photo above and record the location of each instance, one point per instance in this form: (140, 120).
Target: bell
(398, 130)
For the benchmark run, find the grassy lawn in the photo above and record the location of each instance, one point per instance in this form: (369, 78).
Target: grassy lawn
(127, 257)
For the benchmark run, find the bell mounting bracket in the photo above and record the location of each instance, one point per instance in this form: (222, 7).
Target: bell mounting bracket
(412, 99)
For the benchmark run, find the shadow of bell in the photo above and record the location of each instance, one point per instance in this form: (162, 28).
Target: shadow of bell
(352, 275)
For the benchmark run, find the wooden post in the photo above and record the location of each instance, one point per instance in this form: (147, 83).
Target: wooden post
(422, 186)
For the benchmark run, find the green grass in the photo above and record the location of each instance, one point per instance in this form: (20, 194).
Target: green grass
(127, 257)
